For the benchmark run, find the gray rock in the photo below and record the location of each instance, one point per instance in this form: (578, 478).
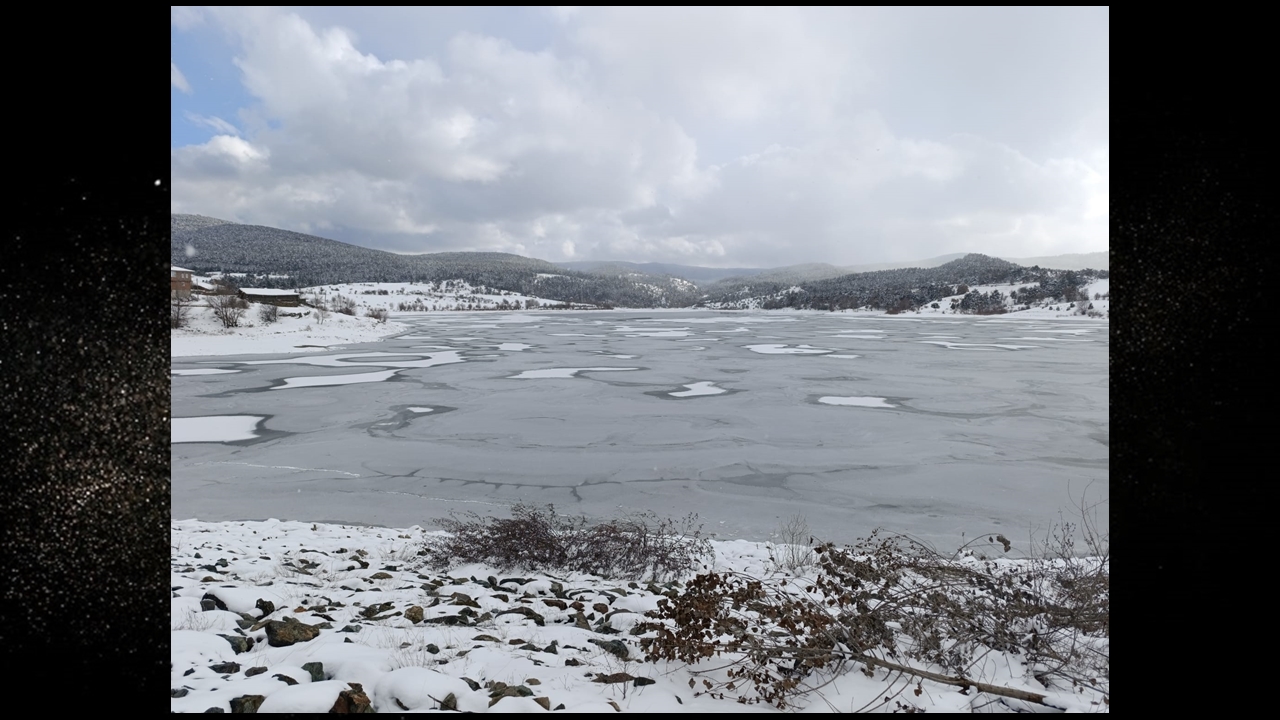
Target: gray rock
(282, 633)
(414, 614)
(254, 671)
(239, 644)
(177, 692)
(617, 648)
(247, 703)
(316, 669)
(225, 668)
(352, 701)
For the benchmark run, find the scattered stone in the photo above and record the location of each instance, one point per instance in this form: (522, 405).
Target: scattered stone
(572, 662)
(414, 614)
(255, 671)
(614, 678)
(450, 702)
(527, 612)
(285, 679)
(226, 667)
(377, 609)
(215, 710)
(530, 647)
(485, 638)
(464, 599)
(177, 692)
(449, 620)
(577, 605)
(351, 629)
(266, 606)
(615, 706)
(316, 669)
(617, 648)
(433, 648)
(560, 706)
(642, 681)
(472, 683)
(580, 621)
(188, 672)
(555, 603)
(247, 703)
(544, 702)
(289, 631)
(380, 576)
(508, 691)
(239, 644)
(352, 701)
(503, 597)
(600, 608)
(532, 681)
(552, 647)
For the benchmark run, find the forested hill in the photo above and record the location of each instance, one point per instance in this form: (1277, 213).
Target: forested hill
(283, 258)
(900, 289)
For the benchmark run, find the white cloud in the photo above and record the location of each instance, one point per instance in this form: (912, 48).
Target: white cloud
(735, 137)
(185, 17)
(176, 79)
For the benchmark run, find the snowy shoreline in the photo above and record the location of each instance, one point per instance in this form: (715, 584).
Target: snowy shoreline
(279, 616)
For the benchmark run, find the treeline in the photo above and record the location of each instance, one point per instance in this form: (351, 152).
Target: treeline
(908, 288)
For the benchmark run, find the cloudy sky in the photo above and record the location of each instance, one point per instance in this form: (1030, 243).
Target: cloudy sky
(720, 137)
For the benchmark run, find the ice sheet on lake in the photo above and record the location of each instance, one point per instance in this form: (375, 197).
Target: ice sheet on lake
(562, 372)
(214, 428)
(513, 347)
(954, 346)
(370, 359)
(202, 371)
(874, 402)
(846, 357)
(699, 388)
(318, 380)
(787, 350)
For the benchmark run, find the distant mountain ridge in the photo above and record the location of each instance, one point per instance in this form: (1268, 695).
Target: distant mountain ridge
(206, 244)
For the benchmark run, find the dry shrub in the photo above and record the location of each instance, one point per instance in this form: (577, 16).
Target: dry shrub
(640, 546)
(893, 603)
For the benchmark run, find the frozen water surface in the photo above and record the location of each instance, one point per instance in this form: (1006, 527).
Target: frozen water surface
(201, 371)
(873, 402)
(699, 388)
(214, 429)
(980, 440)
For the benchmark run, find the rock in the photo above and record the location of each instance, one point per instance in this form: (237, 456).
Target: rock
(472, 683)
(552, 647)
(544, 702)
(226, 667)
(532, 681)
(614, 678)
(555, 603)
(377, 609)
(433, 648)
(414, 614)
(577, 605)
(560, 706)
(485, 638)
(239, 644)
(352, 701)
(527, 612)
(580, 621)
(615, 706)
(177, 692)
(464, 599)
(600, 608)
(188, 672)
(266, 606)
(509, 691)
(502, 596)
(381, 576)
(530, 647)
(282, 633)
(285, 679)
(350, 628)
(254, 671)
(617, 648)
(642, 681)
(316, 669)
(247, 703)
(447, 620)
(450, 702)
(572, 662)
(215, 710)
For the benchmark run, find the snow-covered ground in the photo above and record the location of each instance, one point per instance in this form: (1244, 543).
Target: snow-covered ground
(292, 615)
(205, 335)
(426, 296)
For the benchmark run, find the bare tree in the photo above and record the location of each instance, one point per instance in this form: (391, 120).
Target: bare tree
(268, 313)
(228, 309)
(345, 305)
(321, 313)
(181, 312)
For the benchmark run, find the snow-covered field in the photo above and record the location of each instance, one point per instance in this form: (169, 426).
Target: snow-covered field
(205, 335)
(426, 296)
(288, 616)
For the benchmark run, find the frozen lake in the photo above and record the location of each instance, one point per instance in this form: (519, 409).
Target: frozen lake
(933, 427)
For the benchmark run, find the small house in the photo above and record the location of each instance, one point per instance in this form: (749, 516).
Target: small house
(270, 296)
(179, 282)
